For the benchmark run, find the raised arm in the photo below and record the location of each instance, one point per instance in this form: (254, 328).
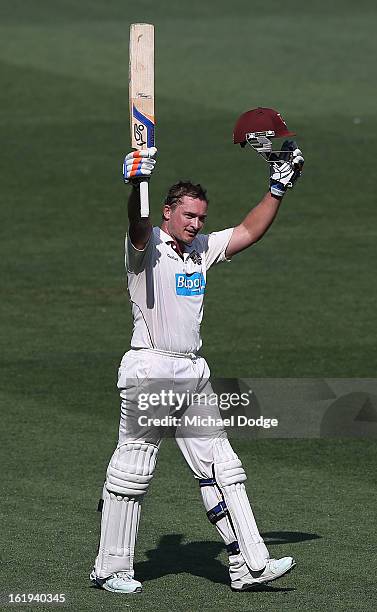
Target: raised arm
(139, 228)
(254, 225)
(138, 165)
(284, 172)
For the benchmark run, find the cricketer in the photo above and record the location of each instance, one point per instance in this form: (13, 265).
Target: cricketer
(166, 272)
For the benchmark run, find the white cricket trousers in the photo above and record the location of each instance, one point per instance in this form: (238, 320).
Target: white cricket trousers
(146, 371)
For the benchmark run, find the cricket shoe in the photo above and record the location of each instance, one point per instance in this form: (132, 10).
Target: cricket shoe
(119, 582)
(275, 568)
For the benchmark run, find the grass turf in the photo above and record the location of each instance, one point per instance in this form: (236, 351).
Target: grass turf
(301, 303)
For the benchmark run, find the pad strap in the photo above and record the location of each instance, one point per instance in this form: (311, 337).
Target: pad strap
(217, 513)
(233, 548)
(207, 482)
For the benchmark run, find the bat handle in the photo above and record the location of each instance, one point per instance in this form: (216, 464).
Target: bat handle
(144, 200)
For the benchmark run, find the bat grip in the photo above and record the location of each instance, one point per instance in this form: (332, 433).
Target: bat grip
(144, 200)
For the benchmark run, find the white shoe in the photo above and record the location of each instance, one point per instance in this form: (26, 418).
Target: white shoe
(119, 582)
(275, 568)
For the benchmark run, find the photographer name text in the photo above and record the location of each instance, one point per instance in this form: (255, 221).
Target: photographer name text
(207, 421)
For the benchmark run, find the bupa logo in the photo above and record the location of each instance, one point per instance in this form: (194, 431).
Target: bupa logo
(190, 284)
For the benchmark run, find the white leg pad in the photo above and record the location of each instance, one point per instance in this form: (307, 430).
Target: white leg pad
(128, 476)
(230, 477)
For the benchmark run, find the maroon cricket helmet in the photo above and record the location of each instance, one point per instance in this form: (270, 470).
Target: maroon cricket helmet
(261, 121)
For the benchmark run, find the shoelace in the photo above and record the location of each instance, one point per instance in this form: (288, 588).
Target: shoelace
(122, 575)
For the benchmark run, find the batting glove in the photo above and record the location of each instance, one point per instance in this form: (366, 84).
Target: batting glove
(139, 165)
(286, 168)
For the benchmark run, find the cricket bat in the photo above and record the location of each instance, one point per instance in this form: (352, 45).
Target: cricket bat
(141, 93)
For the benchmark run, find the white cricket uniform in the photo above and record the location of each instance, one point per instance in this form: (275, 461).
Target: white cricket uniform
(167, 294)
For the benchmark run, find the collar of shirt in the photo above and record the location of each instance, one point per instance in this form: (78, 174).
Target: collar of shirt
(168, 240)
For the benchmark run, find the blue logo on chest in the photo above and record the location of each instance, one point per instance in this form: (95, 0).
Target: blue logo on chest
(190, 284)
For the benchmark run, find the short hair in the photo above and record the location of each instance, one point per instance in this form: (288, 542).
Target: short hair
(184, 188)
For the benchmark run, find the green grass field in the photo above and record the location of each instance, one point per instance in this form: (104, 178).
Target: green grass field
(300, 303)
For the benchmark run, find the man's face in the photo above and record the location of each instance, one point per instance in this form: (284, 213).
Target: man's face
(186, 219)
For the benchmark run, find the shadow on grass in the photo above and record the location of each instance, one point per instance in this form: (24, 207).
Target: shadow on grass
(173, 556)
(288, 537)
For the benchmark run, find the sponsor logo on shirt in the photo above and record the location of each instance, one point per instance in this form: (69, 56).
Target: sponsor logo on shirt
(190, 284)
(172, 257)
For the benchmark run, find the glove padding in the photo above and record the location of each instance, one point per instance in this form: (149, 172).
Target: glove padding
(285, 168)
(139, 165)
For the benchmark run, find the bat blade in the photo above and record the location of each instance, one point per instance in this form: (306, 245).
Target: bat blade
(141, 95)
